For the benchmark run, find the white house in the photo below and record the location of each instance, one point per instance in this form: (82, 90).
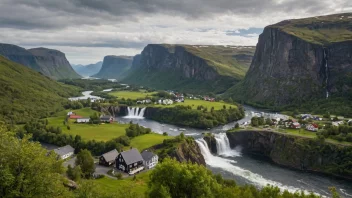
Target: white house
(312, 127)
(65, 151)
(337, 123)
(150, 160)
(83, 120)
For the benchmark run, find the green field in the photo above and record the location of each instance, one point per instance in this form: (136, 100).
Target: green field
(102, 132)
(195, 103)
(135, 188)
(146, 141)
(133, 95)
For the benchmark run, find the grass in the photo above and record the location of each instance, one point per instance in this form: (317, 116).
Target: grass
(136, 187)
(102, 132)
(195, 103)
(133, 95)
(146, 141)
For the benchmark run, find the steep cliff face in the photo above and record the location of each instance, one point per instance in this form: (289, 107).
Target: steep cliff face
(295, 152)
(190, 67)
(299, 60)
(115, 67)
(51, 63)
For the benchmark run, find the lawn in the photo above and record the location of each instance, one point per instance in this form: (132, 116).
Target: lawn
(146, 141)
(195, 103)
(103, 132)
(133, 95)
(135, 188)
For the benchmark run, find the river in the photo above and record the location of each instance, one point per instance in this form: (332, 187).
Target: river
(248, 169)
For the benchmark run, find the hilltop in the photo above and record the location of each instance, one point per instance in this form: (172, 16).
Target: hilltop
(49, 62)
(28, 94)
(195, 68)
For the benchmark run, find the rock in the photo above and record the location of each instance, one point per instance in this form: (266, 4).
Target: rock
(115, 67)
(295, 152)
(210, 139)
(289, 65)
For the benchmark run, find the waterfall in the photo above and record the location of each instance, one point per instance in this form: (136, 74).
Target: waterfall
(135, 112)
(326, 73)
(223, 146)
(204, 149)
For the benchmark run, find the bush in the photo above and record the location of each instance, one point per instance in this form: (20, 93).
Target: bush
(165, 134)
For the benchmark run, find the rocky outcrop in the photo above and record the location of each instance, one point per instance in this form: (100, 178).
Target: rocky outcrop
(296, 152)
(51, 63)
(186, 67)
(115, 67)
(114, 111)
(183, 150)
(210, 139)
(290, 66)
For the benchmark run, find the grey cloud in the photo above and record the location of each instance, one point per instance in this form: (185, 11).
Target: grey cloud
(50, 14)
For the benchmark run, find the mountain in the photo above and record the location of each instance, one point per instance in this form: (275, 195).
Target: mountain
(194, 68)
(27, 94)
(88, 70)
(49, 62)
(300, 60)
(114, 67)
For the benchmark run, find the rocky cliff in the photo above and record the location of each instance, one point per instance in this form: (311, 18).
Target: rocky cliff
(115, 67)
(300, 60)
(187, 67)
(296, 152)
(51, 63)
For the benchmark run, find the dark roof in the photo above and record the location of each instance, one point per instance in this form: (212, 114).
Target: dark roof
(132, 156)
(111, 155)
(64, 150)
(147, 155)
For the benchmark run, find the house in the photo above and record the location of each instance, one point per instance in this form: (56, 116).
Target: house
(64, 152)
(312, 127)
(337, 123)
(74, 116)
(295, 125)
(108, 158)
(83, 120)
(150, 159)
(106, 119)
(130, 161)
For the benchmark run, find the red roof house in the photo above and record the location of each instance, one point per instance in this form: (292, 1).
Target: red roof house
(75, 116)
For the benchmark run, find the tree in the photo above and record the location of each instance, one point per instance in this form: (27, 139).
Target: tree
(74, 173)
(268, 121)
(27, 171)
(86, 162)
(237, 125)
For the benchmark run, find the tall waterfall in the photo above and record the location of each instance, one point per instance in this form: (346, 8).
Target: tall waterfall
(135, 112)
(326, 73)
(204, 149)
(223, 146)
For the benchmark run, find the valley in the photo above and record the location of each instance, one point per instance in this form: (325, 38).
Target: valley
(182, 120)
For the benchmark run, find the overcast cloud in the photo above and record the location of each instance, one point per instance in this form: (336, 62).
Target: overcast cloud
(87, 30)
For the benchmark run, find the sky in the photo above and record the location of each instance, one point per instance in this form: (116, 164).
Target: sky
(88, 30)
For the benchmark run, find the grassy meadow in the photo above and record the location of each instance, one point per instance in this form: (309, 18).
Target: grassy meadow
(135, 188)
(133, 95)
(148, 140)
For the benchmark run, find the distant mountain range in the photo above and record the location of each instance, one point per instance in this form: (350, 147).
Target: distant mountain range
(49, 62)
(87, 70)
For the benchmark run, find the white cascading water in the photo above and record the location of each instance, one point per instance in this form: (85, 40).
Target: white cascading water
(135, 112)
(223, 146)
(326, 73)
(229, 166)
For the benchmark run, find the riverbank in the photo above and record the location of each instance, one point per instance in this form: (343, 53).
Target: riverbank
(302, 153)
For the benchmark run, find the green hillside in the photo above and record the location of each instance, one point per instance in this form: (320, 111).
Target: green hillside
(27, 94)
(320, 30)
